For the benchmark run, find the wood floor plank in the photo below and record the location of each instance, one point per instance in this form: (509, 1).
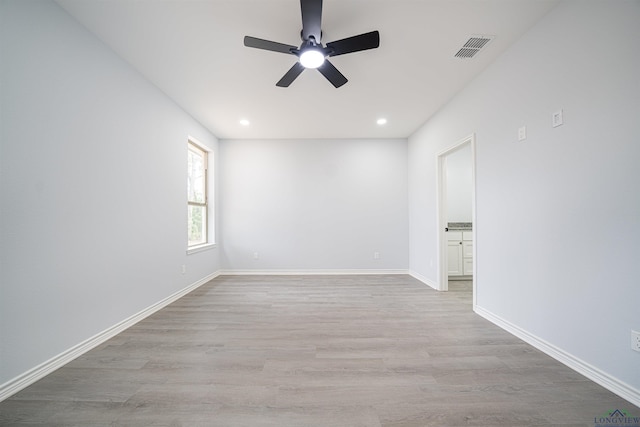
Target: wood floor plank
(314, 351)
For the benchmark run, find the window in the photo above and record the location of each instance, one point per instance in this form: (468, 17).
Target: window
(197, 196)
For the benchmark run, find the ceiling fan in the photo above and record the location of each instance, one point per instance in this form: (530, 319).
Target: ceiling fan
(311, 53)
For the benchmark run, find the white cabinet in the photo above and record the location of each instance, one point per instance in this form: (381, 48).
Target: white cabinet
(460, 253)
(467, 253)
(454, 253)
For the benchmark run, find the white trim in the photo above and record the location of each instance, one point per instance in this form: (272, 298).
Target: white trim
(31, 376)
(441, 206)
(607, 381)
(309, 272)
(200, 145)
(210, 197)
(423, 279)
(200, 248)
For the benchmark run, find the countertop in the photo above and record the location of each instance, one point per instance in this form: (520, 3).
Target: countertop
(460, 226)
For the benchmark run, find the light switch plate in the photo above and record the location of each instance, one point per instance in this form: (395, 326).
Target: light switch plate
(556, 118)
(522, 133)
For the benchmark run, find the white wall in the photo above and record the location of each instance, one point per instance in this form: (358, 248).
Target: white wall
(93, 188)
(314, 204)
(557, 228)
(459, 185)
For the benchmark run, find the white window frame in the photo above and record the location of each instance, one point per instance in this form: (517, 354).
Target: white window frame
(208, 205)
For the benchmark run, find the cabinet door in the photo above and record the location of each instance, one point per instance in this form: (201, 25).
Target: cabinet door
(467, 257)
(468, 267)
(454, 258)
(467, 249)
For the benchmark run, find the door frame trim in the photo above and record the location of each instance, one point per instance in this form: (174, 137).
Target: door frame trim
(441, 158)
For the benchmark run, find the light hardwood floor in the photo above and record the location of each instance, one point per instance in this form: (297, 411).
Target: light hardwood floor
(314, 351)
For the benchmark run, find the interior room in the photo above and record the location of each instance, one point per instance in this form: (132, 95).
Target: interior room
(323, 190)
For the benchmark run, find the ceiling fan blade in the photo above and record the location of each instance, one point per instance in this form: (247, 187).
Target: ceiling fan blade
(268, 45)
(311, 19)
(355, 44)
(332, 74)
(291, 75)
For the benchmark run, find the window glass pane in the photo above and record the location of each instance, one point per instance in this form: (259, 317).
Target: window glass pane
(197, 225)
(197, 195)
(196, 185)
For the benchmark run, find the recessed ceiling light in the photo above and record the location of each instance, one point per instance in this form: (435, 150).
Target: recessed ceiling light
(244, 122)
(381, 121)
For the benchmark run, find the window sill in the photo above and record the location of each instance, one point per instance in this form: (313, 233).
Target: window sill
(200, 248)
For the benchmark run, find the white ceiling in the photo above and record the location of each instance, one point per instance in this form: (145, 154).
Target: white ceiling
(193, 51)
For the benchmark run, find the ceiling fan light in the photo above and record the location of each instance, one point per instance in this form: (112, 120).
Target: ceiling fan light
(312, 58)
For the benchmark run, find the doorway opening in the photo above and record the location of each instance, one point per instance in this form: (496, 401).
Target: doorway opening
(457, 227)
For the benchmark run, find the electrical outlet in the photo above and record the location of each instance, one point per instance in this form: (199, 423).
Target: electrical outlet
(635, 340)
(256, 255)
(183, 269)
(376, 255)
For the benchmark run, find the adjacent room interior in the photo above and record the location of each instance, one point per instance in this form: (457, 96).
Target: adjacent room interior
(528, 153)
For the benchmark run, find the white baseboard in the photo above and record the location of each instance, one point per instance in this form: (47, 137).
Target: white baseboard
(612, 384)
(423, 279)
(310, 272)
(31, 376)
